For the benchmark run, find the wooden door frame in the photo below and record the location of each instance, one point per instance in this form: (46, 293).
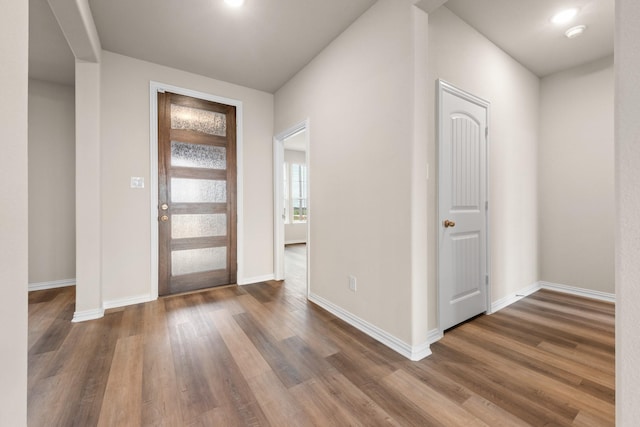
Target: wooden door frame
(154, 89)
(442, 87)
(278, 198)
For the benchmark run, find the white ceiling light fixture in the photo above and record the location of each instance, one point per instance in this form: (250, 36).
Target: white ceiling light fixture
(234, 3)
(575, 31)
(564, 16)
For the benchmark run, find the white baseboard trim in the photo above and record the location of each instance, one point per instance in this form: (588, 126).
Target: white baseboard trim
(581, 292)
(115, 303)
(434, 335)
(39, 286)
(414, 353)
(516, 296)
(558, 287)
(295, 242)
(418, 352)
(256, 279)
(81, 316)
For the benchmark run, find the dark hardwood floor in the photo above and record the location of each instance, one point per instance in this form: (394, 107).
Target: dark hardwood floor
(262, 355)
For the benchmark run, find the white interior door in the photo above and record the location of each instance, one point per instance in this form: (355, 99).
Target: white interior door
(463, 278)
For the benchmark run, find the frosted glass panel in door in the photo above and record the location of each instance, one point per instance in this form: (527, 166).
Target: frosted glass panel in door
(197, 193)
(204, 121)
(190, 190)
(198, 225)
(198, 260)
(198, 156)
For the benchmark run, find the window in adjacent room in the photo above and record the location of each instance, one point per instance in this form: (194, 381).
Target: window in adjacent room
(295, 193)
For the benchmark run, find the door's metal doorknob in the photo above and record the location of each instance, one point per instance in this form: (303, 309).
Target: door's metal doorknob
(447, 223)
(164, 218)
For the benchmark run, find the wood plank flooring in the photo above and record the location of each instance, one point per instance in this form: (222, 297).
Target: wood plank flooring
(261, 355)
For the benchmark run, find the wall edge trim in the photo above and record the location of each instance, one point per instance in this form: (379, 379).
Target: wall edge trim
(513, 297)
(581, 292)
(558, 287)
(434, 335)
(84, 315)
(52, 284)
(414, 353)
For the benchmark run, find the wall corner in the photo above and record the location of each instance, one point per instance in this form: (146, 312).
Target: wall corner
(88, 191)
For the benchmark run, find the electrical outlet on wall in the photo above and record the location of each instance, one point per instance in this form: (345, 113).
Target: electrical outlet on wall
(352, 283)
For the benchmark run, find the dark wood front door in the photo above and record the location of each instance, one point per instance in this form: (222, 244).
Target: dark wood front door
(197, 193)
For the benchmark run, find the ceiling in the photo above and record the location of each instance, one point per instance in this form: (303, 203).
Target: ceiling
(523, 29)
(50, 57)
(264, 43)
(261, 45)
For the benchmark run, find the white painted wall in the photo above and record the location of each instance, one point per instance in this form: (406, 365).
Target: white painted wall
(575, 177)
(358, 95)
(52, 215)
(295, 233)
(627, 183)
(420, 177)
(126, 252)
(463, 57)
(14, 46)
(88, 193)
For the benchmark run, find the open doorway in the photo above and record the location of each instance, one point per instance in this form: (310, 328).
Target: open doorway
(291, 216)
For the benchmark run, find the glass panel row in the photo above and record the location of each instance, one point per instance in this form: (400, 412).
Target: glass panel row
(198, 260)
(191, 190)
(198, 156)
(204, 121)
(198, 225)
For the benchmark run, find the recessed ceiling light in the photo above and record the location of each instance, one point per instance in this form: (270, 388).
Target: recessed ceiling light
(234, 3)
(575, 31)
(564, 16)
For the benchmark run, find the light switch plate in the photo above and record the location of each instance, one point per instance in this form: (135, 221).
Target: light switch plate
(137, 182)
